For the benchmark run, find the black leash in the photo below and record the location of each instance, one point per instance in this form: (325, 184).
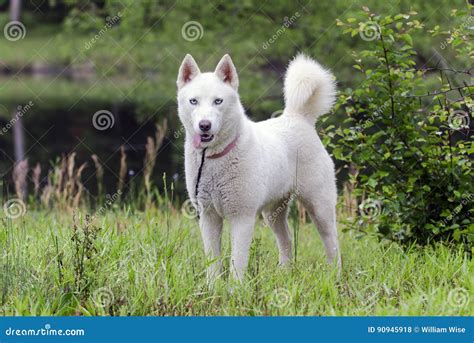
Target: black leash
(198, 180)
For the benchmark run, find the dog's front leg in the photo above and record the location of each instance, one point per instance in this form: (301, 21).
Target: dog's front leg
(211, 232)
(242, 229)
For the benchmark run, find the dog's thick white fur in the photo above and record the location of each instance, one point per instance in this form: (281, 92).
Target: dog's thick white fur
(271, 163)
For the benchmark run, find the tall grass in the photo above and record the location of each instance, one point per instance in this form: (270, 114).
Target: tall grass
(131, 262)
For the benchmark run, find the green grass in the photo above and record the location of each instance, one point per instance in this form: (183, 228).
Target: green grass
(151, 263)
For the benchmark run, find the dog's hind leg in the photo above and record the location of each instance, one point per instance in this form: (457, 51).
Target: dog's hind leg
(211, 232)
(276, 217)
(320, 202)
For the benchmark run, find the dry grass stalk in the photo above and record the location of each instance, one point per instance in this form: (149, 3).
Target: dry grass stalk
(152, 147)
(70, 182)
(65, 184)
(160, 133)
(58, 179)
(350, 200)
(99, 172)
(149, 163)
(20, 172)
(79, 185)
(48, 190)
(301, 212)
(123, 170)
(37, 178)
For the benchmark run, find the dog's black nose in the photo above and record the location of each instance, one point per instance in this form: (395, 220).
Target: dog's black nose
(205, 125)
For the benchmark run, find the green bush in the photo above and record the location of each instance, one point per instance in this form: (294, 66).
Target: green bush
(408, 146)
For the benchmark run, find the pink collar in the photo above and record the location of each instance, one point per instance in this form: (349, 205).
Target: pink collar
(226, 150)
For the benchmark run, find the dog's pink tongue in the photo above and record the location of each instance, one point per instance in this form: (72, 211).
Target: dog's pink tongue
(196, 140)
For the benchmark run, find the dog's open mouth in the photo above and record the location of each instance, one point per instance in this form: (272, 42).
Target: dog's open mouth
(200, 138)
(205, 137)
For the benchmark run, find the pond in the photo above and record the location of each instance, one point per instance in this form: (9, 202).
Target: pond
(56, 110)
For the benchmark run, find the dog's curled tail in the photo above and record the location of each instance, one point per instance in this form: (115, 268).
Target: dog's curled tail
(310, 90)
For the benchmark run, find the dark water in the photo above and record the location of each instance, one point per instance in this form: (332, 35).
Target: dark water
(56, 126)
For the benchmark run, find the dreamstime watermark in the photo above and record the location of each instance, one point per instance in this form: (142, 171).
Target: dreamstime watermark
(458, 297)
(283, 207)
(459, 120)
(109, 201)
(103, 120)
(189, 209)
(14, 31)
(287, 23)
(178, 133)
(192, 31)
(457, 32)
(20, 112)
(14, 208)
(45, 331)
(110, 22)
(381, 109)
(369, 31)
(356, 130)
(370, 208)
(281, 297)
(182, 129)
(466, 198)
(103, 297)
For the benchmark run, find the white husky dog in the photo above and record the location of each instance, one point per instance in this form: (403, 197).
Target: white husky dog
(236, 168)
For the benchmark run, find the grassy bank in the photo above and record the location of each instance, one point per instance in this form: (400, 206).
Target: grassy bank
(151, 263)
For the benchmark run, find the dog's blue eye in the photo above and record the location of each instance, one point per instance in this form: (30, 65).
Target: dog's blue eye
(218, 101)
(193, 101)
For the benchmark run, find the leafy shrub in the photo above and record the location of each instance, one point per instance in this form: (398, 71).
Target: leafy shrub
(408, 146)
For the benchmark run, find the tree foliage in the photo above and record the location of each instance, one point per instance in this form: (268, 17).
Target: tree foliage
(409, 145)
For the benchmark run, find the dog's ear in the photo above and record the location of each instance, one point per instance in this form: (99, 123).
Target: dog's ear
(187, 71)
(226, 71)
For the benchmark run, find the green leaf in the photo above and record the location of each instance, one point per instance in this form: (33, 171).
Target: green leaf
(372, 182)
(407, 39)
